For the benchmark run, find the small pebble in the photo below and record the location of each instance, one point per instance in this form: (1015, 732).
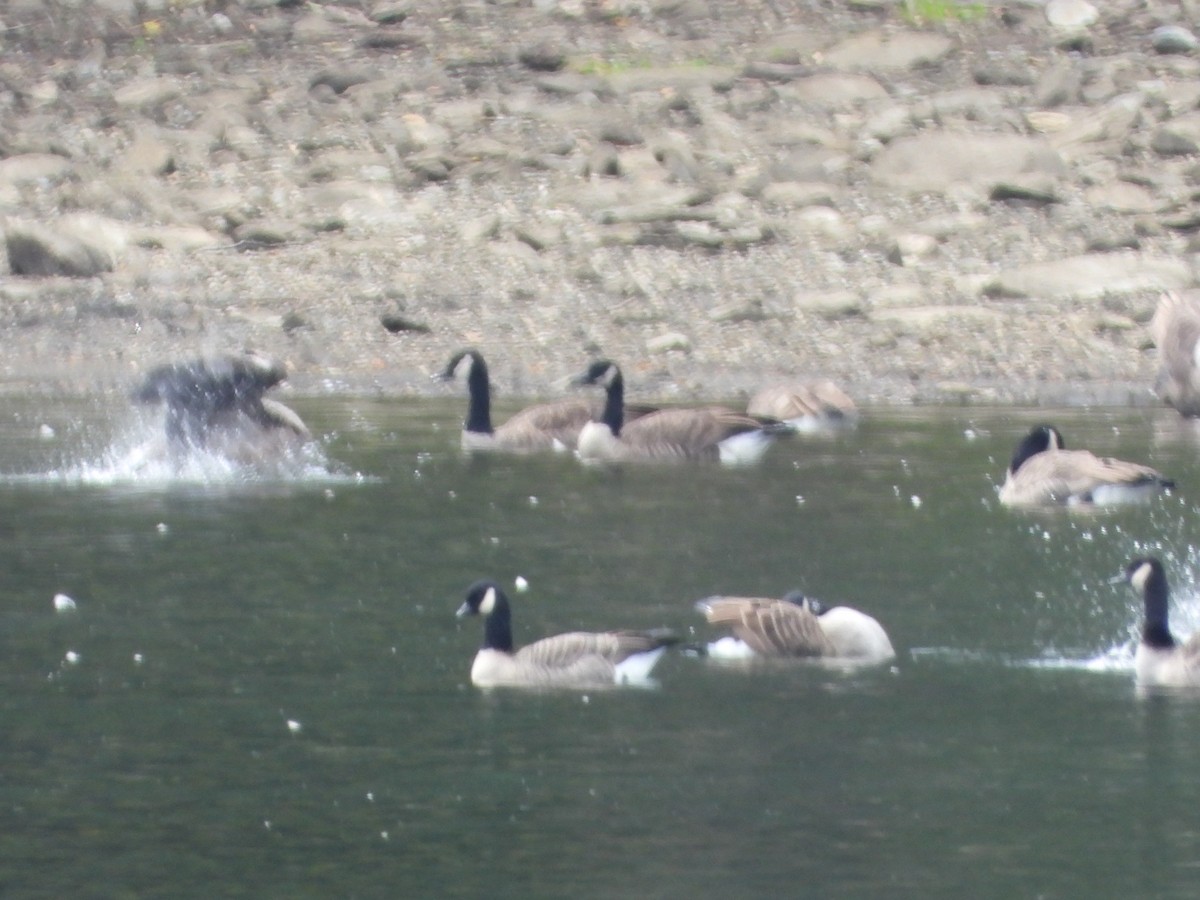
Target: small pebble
(46, 433)
(63, 603)
(916, 501)
(294, 727)
(72, 657)
(162, 527)
(138, 659)
(521, 584)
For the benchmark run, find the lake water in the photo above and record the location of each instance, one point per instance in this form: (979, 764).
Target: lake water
(263, 691)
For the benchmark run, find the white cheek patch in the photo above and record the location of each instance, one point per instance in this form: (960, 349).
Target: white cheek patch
(488, 603)
(463, 369)
(1139, 576)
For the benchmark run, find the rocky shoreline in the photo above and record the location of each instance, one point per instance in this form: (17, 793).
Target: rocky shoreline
(927, 202)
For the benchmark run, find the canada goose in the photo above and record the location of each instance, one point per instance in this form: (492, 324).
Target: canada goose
(545, 426)
(699, 433)
(1044, 472)
(795, 626)
(217, 402)
(578, 659)
(1175, 329)
(811, 406)
(1159, 659)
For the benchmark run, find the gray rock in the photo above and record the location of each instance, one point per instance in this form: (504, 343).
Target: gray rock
(28, 168)
(829, 304)
(936, 160)
(1071, 14)
(1173, 39)
(835, 90)
(147, 155)
(147, 92)
(78, 246)
(1179, 137)
(877, 50)
(1092, 276)
(672, 340)
(1037, 189)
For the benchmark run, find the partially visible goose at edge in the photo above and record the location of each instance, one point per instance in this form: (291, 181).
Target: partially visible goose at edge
(1175, 329)
(1160, 660)
(543, 426)
(1044, 473)
(794, 626)
(810, 406)
(700, 433)
(577, 659)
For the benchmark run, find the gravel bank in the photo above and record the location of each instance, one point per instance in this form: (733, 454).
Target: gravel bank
(978, 206)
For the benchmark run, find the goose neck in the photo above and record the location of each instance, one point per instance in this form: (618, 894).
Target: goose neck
(479, 404)
(497, 628)
(614, 404)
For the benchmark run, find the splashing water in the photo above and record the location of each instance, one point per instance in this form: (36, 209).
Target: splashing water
(139, 455)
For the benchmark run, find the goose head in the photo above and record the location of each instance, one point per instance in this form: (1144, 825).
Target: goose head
(486, 598)
(465, 364)
(603, 372)
(812, 604)
(607, 374)
(1039, 439)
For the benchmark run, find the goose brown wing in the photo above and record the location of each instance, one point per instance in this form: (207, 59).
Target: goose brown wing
(770, 627)
(541, 425)
(565, 650)
(817, 399)
(1056, 476)
(687, 433)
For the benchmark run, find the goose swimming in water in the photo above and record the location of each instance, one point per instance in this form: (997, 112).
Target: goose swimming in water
(794, 626)
(699, 433)
(810, 407)
(1160, 660)
(544, 426)
(1175, 329)
(1044, 473)
(217, 404)
(577, 659)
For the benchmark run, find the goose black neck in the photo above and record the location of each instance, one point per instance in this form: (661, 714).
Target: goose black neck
(1032, 444)
(497, 627)
(1155, 631)
(614, 404)
(479, 407)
